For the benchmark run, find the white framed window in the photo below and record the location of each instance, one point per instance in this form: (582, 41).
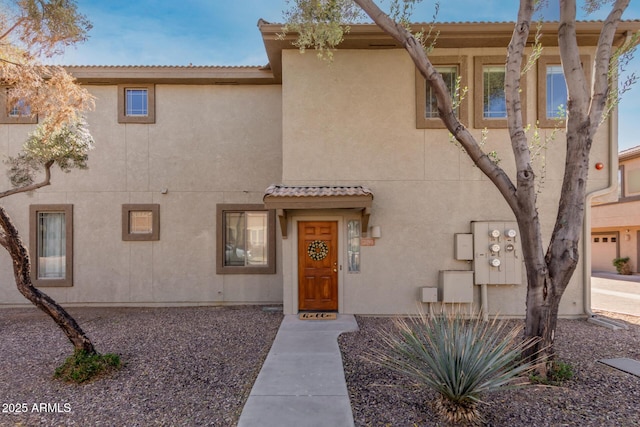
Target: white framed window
(556, 93)
(245, 239)
(136, 103)
(494, 105)
(449, 75)
(453, 70)
(17, 113)
(51, 244)
(552, 90)
(490, 104)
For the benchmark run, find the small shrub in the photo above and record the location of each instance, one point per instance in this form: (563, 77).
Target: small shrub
(622, 265)
(82, 366)
(559, 373)
(458, 358)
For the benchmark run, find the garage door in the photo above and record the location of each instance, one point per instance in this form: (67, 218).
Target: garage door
(604, 248)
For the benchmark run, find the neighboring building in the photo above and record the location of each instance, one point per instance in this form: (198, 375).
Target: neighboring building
(615, 227)
(322, 187)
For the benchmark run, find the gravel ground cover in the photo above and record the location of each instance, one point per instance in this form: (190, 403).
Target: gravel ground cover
(196, 366)
(597, 395)
(182, 366)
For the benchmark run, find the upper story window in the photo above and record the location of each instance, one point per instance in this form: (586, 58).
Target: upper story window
(552, 90)
(489, 86)
(136, 103)
(19, 112)
(628, 182)
(245, 239)
(51, 244)
(19, 109)
(494, 105)
(556, 92)
(453, 70)
(632, 183)
(450, 76)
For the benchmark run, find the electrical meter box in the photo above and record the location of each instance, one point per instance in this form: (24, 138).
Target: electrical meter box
(463, 247)
(497, 254)
(455, 286)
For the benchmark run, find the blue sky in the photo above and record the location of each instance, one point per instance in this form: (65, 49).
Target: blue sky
(220, 32)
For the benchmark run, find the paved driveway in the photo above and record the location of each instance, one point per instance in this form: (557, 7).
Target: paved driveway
(616, 293)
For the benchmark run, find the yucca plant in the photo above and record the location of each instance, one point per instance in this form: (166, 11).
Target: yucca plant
(461, 359)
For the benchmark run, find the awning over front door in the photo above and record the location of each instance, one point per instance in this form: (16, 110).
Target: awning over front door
(285, 197)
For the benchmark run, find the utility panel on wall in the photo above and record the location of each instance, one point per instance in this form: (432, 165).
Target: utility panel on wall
(497, 255)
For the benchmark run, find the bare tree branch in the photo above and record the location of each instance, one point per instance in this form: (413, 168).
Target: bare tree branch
(12, 28)
(445, 105)
(601, 83)
(577, 90)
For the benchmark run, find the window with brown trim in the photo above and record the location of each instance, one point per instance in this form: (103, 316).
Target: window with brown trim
(552, 90)
(19, 113)
(451, 68)
(245, 239)
(136, 103)
(140, 222)
(632, 182)
(489, 92)
(51, 244)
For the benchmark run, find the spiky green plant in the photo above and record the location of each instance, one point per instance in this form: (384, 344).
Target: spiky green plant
(461, 359)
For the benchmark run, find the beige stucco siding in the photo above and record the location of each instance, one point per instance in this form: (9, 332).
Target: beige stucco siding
(209, 145)
(616, 215)
(353, 122)
(350, 120)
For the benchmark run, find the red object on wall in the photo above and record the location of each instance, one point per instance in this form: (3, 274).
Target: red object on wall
(599, 165)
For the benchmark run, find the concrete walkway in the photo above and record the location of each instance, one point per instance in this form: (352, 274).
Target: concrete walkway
(302, 380)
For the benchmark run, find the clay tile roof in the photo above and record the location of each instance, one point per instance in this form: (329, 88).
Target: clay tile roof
(316, 191)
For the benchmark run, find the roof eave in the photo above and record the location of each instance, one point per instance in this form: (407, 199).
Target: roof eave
(450, 35)
(109, 75)
(629, 154)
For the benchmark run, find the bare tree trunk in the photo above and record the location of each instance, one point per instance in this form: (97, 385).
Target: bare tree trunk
(547, 282)
(11, 241)
(548, 274)
(541, 317)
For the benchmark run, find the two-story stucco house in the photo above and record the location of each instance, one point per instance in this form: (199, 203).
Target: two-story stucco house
(615, 231)
(319, 187)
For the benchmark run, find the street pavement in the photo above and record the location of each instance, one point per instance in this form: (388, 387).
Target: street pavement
(616, 293)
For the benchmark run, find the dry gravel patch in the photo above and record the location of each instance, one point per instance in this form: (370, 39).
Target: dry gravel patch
(196, 366)
(598, 395)
(182, 366)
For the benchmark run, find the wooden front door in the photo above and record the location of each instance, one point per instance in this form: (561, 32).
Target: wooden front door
(318, 265)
